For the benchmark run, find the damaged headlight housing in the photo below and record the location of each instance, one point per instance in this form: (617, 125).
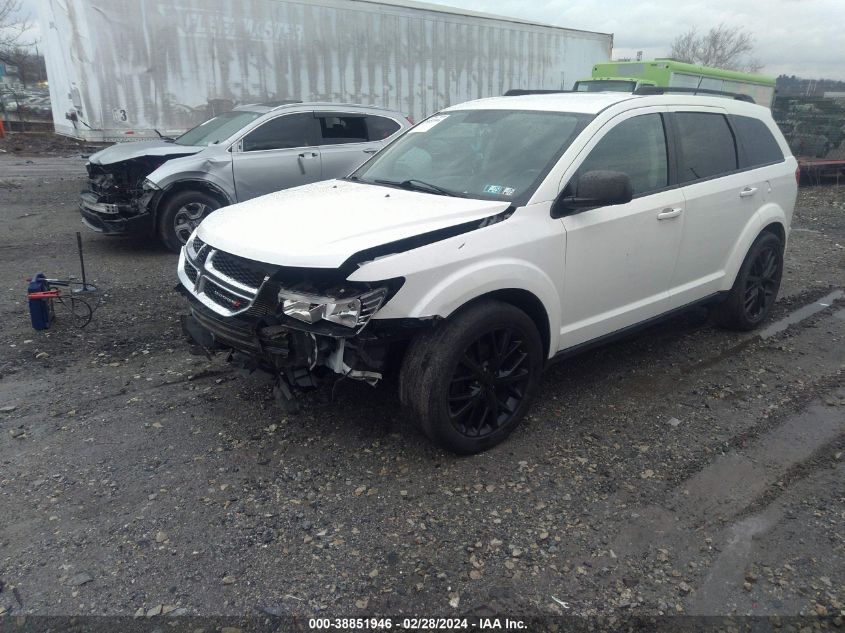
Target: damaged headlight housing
(352, 312)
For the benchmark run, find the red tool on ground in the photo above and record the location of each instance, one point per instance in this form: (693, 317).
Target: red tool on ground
(42, 295)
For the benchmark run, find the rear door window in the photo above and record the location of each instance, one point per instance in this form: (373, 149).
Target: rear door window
(283, 132)
(636, 147)
(758, 144)
(380, 127)
(707, 145)
(339, 128)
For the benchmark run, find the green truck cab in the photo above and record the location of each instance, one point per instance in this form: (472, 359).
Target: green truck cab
(668, 73)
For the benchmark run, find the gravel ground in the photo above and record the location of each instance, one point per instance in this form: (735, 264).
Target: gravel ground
(685, 470)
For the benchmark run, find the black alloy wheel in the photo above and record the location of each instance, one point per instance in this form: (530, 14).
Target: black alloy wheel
(755, 288)
(489, 382)
(469, 381)
(761, 284)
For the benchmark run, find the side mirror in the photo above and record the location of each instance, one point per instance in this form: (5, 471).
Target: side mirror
(594, 189)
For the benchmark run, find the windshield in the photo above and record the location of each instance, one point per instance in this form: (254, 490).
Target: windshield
(493, 154)
(607, 85)
(217, 129)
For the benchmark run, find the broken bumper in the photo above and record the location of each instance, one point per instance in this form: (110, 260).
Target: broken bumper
(210, 330)
(113, 219)
(298, 355)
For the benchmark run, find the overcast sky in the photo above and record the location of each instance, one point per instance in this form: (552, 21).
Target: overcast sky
(794, 37)
(800, 37)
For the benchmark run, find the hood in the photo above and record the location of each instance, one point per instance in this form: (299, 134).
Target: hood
(323, 224)
(138, 149)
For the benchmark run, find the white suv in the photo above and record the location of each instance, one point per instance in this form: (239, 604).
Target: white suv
(491, 238)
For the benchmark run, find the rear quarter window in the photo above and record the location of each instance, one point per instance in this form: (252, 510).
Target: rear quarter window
(379, 127)
(758, 144)
(340, 129)
(707, 146)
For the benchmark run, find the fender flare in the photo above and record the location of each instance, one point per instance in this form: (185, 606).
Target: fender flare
(198, 183)
(485, 278)
(768, 215)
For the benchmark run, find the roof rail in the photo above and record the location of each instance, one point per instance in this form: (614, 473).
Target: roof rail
(279, 104)
(519, 92)
(659, 90)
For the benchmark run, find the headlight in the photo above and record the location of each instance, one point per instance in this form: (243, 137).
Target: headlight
(351, 312)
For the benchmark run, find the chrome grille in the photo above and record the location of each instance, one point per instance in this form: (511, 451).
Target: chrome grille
(224, 298)
(223, 282)
(201, 250)
(197, 245)
(191, 271)
(236, 269)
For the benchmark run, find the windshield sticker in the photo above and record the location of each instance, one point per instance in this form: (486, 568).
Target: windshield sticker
(426, 125)
(499, 190)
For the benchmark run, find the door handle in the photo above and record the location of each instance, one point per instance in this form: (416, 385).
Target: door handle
(370, 151)
(667, 214)
(748, 192)
(303, 156)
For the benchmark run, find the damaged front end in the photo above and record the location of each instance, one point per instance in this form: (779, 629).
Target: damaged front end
(116, 199)
(298, 324)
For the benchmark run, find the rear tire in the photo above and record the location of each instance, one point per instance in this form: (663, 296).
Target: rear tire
(181, 214)
(469, 382)
(756, 286)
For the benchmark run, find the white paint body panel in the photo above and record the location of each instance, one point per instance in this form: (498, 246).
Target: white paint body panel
(322, 224)
(127, 67)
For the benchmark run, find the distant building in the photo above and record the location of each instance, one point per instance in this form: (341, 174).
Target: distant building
(9, 75)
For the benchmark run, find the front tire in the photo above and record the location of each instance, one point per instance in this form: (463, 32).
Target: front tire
(469, 382)
(756, 286)
(181, 214)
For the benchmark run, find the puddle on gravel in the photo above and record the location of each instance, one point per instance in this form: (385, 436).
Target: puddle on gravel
(800, 314)
(772, 329)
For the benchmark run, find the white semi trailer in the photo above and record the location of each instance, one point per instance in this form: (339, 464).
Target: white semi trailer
(129, 69)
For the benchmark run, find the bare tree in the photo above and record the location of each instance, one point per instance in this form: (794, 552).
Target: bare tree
(723, 46)
(29, 64)
(14, 22)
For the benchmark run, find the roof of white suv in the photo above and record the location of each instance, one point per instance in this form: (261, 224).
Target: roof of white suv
(595, 102)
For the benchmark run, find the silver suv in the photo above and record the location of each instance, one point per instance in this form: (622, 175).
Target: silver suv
(167, 186)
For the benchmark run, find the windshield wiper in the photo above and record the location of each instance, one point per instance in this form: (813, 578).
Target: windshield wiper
(163, 137)
(420, 185)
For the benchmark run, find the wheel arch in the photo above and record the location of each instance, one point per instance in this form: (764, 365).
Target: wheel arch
(777, 228)
(515, 281)
(526, 301)
(770, 219)
(180, 186)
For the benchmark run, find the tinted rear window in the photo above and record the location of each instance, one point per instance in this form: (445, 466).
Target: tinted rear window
(338, 129)
(380, 127)
(707, 145)
(757, 141)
